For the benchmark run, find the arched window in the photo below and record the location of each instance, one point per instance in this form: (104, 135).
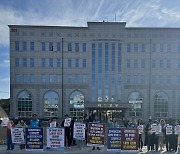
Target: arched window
(76, 104)
(160, 105)
(51, 100)
(136, 99)
(24, 104)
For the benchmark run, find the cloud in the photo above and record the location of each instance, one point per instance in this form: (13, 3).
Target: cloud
(5, 80)
(4, 63)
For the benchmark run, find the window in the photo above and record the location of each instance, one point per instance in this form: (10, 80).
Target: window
(58, 46)
(69, 46)
(50, 46)
(84, 79)
(128, 47)
(143, 48)
(24, 78)
(17, 46)
(168, 81)
(136, 47)
(84, 63)
(43, 46)
(17, 62)
(135, 79)
(58, 78)
(51, 101)
(51, 78)
(153, 63)
(32, 46)
(161, 64)
(50, 62)
(24, 103)
(84, 47)
(168, 47)
(93, 77)
(135, 63)
(161, 47)
(142, 79)
(24, 62)
(168, 63)
(43, 78)
(161, 79)
(153, 47)
(32, 62)
(128, 79)
(76, 47)
(58, 63)
(76, 104)
(76, 79)
(69, 79)
(161, 105)
(32, 78)
(142, 63)
(77, 63)
(69, 63)
(128, 63)
(43, 62)
(17, 78)
(24, 46)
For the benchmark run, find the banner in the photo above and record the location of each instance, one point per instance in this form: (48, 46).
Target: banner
(67, 122)
(114, 139)
(79, 131)
(129, 139)
(17, 135)
(34, 139)
(55, 138)
(96, 132)
(169, 130)
(177, 130)
(140, 129)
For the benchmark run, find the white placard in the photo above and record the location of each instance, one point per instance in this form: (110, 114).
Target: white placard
(158, 129)
(153, 128)
(177, 129)
(169, 130)
(53, 124)
(79, 131)
(17, 135)
(141, 129)
(67, 122)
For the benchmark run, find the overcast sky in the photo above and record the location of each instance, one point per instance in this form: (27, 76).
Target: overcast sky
(143, 13)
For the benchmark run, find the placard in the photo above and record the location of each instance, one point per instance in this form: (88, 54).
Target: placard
(67, 122)
(34, 139)
(17, 135)
(114, 139)
(140, 129)
(53, 124)
(177, 130)
(96, 132)
(55, 138)
(169, 130)
(79, 131)
(129, 139)
(158, 129)
(153, 128)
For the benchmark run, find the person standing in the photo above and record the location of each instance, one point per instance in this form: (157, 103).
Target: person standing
(175, 138)
(113, 123)
(73, 142)
(86, 121)
(141, 132)
(129, 124)
(80, 143)
(162, 134)
(34, 123)
(53, 122)
(10, 145)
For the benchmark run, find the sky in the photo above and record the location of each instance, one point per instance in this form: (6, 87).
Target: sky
(137, 13)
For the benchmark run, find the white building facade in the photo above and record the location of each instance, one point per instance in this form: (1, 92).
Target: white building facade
(105, 68)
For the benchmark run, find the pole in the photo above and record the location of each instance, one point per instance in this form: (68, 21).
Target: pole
(62, 79)
(150, 79)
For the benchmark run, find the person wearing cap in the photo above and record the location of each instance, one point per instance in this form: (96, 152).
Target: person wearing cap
(34, 123)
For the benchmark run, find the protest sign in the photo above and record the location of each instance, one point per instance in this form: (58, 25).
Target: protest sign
(158, 129)
(67, 122)
(96, 132)
(177, 130)
(140, 129)
(79, 131)
(129, 139)
(53, 124)
(34, 139)
(55, 138)
(153, 128)
(114, 139)
(17, 135)
(169, 130)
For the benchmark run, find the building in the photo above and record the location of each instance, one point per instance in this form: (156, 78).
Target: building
(105, 68)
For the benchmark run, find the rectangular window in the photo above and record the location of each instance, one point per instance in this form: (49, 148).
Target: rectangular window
(77, 63)
(58, 46)
(32, 78)
(17, 45)
(168, 79)
(32, 46)
(50, 46)
(84, 63)
(142, 79)
(58, 62)
(168, 63)
(69, 46)
(24, 78)
(168, 47)
(161, 47)
(17, 62)
(84, 47)
(24, 46)
(153, 47)
(58, 78)
(69, 79)
(135, 79)
(43, 46)
(135, 63)
(142, 63)
(43, 62)
(17, 78)
(143, 48)
(50, 62)
(32, 62)
(136, 47)
(51, 78)
(24, 62)
(84, 79)
(43, 78)
(128, 79)
(153, 63)
(77, 79)
(161, 64)
(76, 47)
(128, 47)
(69, 63)
(161, 79)
(128, 63)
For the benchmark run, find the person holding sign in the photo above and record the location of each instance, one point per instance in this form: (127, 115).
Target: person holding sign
(141, 132)
(175, 136)
(53, 122)
(162, 134)
(169, 132)
(34, 123)
(10, 145)
(113, 123)
(66, 124)
(73, 142)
